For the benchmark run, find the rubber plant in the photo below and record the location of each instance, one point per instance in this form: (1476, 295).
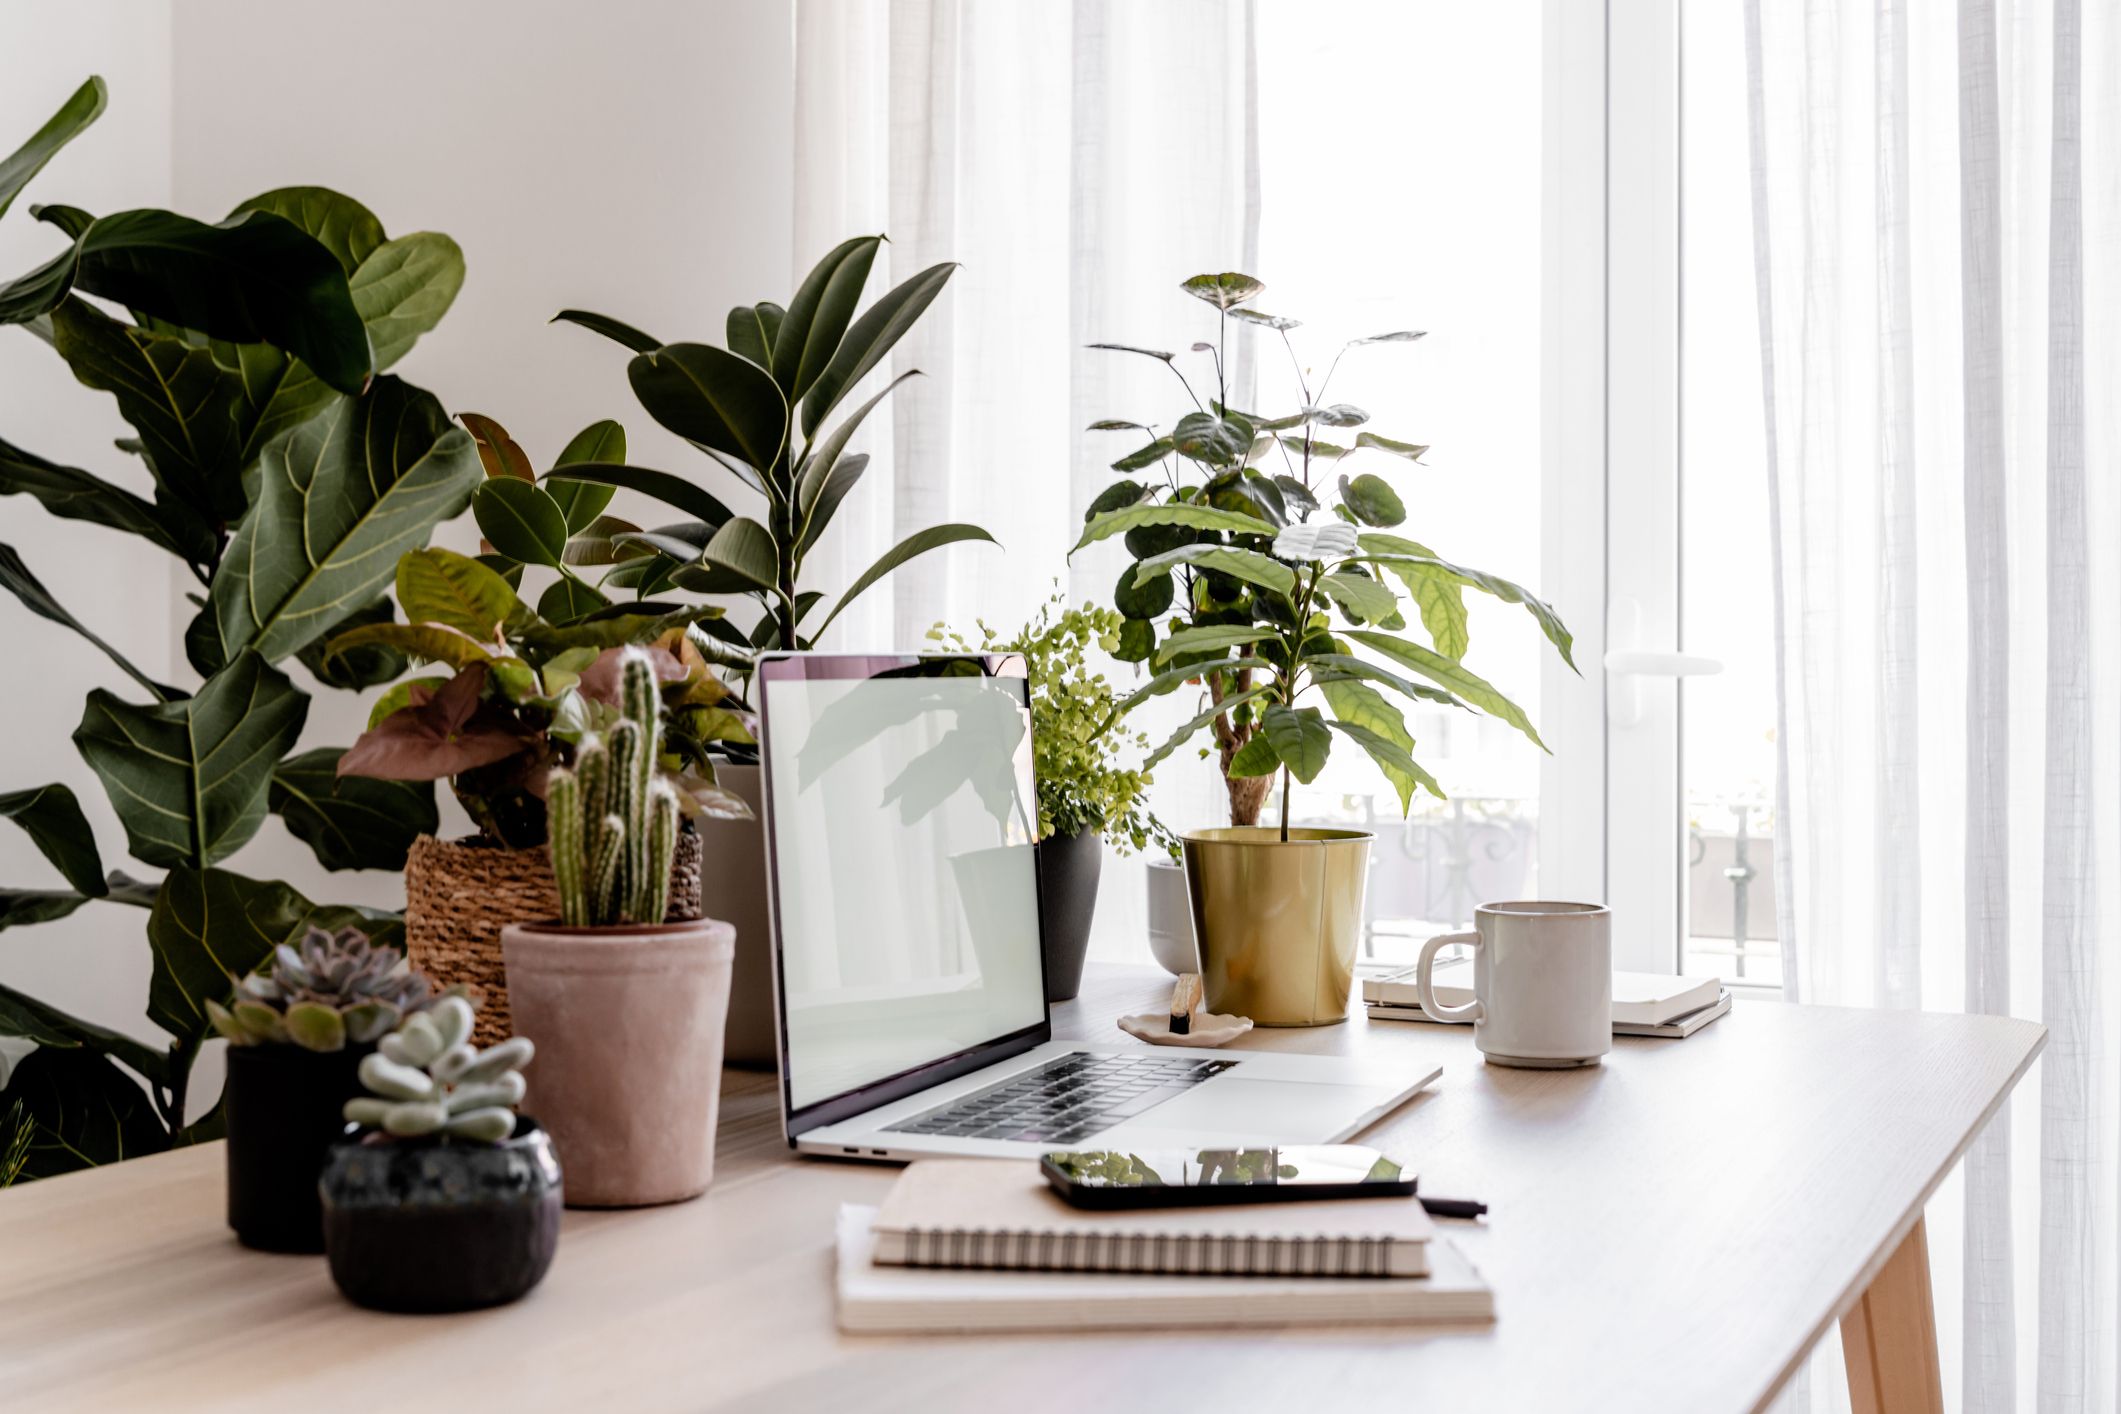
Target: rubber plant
(288, 471)
(759, 408)
(1233, 585)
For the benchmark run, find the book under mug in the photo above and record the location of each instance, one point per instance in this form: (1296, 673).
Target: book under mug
(1644, 1003)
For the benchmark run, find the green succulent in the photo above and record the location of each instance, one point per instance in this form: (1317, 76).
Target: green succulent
(613, 818)
(426, 1078)
(337, 989)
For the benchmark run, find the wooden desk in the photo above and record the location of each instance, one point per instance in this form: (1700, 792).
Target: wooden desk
(1674, 1230)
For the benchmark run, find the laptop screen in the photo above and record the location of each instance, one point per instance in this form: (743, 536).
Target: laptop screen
(901, 815)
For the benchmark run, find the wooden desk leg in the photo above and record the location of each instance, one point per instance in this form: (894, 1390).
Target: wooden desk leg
(1889, 1339)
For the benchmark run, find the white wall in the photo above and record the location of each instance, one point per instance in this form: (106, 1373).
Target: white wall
(631, 157)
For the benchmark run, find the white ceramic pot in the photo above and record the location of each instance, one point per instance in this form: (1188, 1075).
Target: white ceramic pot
(1171, 918)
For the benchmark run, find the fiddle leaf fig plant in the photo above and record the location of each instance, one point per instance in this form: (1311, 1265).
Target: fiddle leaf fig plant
(285, 470)
(759, 407)
(1267, 574)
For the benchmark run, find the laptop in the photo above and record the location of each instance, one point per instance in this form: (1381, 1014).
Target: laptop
(909, 989)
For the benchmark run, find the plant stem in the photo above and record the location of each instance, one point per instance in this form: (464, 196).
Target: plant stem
(1285, 805)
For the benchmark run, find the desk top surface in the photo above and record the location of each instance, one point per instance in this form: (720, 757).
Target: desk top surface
(1676, 1227)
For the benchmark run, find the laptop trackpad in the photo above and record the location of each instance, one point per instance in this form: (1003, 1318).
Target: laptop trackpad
(1232, 1109)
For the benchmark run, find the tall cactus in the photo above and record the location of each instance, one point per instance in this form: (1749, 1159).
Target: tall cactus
(614, 821)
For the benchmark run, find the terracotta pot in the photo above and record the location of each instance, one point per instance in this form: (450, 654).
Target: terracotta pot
(281, 1104)
(733, 888)
(628, 1024)
(1068, 867)
(1279, 921)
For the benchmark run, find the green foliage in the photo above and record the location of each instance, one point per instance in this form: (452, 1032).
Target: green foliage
(426, 1080)
(1077, 741)
(758, 408)
(613, 817)
(334, 990)
(1255, 582)
(286, 476)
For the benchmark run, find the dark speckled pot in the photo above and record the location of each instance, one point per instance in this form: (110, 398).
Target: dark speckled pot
(441, 1225)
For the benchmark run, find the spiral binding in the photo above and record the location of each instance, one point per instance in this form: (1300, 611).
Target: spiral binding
(1233, 1254)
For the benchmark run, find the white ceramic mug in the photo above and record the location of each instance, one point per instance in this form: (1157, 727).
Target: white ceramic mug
(1542, 983)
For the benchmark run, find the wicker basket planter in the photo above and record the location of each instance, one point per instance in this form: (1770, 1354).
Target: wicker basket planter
(459, 894)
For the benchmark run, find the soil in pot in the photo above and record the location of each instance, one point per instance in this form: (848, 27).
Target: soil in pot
(282, 1107)
(441, 1225)
(1068, 867)
(628, 1024)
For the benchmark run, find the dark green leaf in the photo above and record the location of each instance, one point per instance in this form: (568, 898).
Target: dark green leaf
(1301, 739)
(362, 668)
(21, 908)
(85, 1112)
(404, 288)
(188, 779)
(1409, 450)
(1141, 457)
(1372, 500)
(882, 325)
(16, 169)
(1118, 496)
(747, 337)
(846, 471)
(583, 501)
(1137, 640)
(818, 316)
(744, 548)
(437, 586)
(918, 543)
(597, 543)
(1190, 517)
(1142, 601)
(338, 501)
(1216, 441)
(1247, 565)
(1451, 675)
(1168, 678)
(816, 494)
(611, 329)
(54, 822)
(672, 490)
(346, 228)
(350, 822)
(15, 576)
(1117, 424)
(711, 396)
(682, 542)
(520, 520)
(1296, 495)
(76, 495)
(567, 600)
(207, 928)
(1225, 291)
(32, 1020)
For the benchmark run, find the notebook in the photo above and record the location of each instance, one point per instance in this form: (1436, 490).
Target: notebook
(1003, 1214)
(876, 1298)
(1644, 1003)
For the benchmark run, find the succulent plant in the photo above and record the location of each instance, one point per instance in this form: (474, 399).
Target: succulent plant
(336, 989)
(426, 1078)
(613, 818)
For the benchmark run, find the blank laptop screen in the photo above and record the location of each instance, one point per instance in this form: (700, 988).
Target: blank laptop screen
(902, 815)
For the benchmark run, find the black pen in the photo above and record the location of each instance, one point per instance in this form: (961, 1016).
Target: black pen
(1453, 1207)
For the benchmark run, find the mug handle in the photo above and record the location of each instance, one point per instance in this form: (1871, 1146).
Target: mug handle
(1424, 976)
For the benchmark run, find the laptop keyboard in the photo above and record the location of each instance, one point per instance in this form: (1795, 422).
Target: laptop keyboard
(1065, 1100)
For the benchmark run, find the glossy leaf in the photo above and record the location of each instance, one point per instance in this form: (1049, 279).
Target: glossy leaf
(76, 495)
(682, 542)
(359, 669)
(338, 501)
(350, 822)
(846, 471)
(85, 1112)
(598, 543)
(52, 818)
(1225, 291)
(343, 226)
(918, 543)
(499, 453)
(583, 501)
(520, 520)
(1247, 565)
(1118, 424)
(671, 490)
(820, 461)
(744, 548)
(403, 289)
(1142, 601)
(870, 337)
(1189, 517)
(611, 329)
(711, 396)
(1118, 496)
(23, 908)
(747, 336)
(1301, 739)
(1451, 675)
(1361, 705)
(188, 779)
(15, 577)
(1213, 440)
(1295, 495)
(82, 108)
(567, 600)
(1411, 451)
(816, 322)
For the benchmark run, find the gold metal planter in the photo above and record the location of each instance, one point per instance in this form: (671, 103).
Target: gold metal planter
(1278, 922)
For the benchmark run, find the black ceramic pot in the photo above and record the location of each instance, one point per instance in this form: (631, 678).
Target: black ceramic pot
(428, 1225)
(281, 1105)
(1067, 901)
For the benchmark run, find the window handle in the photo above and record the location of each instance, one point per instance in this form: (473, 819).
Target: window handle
(1625, 668)
(1662, 665)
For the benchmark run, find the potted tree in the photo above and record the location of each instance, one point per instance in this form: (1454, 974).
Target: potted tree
(1234, 587)
(1087, 795)
(626, 1008)
(759, 408)
(297, 1031)
(449, 1200)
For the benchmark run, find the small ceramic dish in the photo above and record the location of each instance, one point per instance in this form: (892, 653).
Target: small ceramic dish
(1208, 1029)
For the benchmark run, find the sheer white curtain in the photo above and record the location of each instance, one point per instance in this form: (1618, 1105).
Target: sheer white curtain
(1937, 203)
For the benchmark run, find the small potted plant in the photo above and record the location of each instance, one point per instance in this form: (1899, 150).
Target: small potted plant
(627, 1009)
(1087, 795)
(297, 1030)
(448, 1200)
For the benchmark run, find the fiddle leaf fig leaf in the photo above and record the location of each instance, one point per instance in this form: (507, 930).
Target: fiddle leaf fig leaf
(343, 226)
(403, 288)
(76, 495)
(339, 499)
(350, 822)
(671, 490)
(188, 779)
(83, 107)
(53, 820)
(83, 1111)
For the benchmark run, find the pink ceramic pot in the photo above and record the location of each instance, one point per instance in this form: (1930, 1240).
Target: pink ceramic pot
(628, 1023)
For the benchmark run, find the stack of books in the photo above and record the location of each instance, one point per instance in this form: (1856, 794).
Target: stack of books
(1644, 1003)
(978, 1245)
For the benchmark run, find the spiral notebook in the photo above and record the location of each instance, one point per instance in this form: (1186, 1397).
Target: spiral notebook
(876, 1299)
(1003, 1215)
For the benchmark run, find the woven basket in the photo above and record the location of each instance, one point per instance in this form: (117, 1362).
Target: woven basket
(459, 894)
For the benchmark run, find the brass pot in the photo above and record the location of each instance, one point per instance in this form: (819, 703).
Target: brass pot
(1278, 921)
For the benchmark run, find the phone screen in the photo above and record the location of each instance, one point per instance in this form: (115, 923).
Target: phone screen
(1292, 1166)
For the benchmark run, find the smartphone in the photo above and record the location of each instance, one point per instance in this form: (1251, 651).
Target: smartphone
(1181, 1178)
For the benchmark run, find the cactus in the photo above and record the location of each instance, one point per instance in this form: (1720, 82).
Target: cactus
(336, 989)
(425, 1079)
(613, 819)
